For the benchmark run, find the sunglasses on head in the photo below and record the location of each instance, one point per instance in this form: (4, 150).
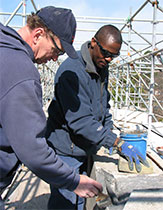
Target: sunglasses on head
(60, 52)
(106, 53)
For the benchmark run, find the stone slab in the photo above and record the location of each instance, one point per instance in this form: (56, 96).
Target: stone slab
(105, 170)
(145, 199)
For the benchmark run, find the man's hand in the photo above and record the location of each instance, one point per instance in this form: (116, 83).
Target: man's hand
(88, 187)
(131, 153)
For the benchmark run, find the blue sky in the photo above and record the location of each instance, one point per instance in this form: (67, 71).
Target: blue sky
(93, 8)
(102, 8)
(90, 8)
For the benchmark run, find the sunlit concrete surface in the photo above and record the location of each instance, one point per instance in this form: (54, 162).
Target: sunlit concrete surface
(145, 199)
(27, 192)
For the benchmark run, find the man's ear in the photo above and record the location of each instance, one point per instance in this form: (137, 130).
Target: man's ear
(93, 42)
(37, 34)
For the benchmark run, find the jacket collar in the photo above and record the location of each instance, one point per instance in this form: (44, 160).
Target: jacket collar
(90, 67)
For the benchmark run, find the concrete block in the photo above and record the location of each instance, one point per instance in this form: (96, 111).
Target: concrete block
(105, 170)
(145, 199)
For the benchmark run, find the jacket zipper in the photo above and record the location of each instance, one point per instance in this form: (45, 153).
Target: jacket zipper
(102, 85)
(72, 147)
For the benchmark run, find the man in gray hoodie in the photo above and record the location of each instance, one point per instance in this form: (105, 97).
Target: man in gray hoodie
(79, 120)
(48, 33)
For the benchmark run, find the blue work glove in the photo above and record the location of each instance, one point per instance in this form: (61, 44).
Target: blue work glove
(131, 153)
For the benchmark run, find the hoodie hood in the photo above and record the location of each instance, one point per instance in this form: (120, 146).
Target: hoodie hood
(9, 38)
(90, 67)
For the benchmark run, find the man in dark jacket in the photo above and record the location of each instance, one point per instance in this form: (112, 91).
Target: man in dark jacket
(79, 121)
(48, 34)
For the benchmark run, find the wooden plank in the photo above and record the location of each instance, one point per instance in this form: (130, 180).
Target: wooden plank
(155, 158)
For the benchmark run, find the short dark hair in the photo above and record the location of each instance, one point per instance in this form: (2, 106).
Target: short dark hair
(109, 30)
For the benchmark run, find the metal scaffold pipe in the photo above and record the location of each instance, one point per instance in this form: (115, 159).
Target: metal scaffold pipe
(34, 5)
(131, 18)
(151, 92)
(156, 2)
(24, 12)
(13, 14)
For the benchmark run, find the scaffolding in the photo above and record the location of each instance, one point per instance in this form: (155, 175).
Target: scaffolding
(132, 78)
(132, 83)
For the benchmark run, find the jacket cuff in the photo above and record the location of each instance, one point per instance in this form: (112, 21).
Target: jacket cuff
(74, 185)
